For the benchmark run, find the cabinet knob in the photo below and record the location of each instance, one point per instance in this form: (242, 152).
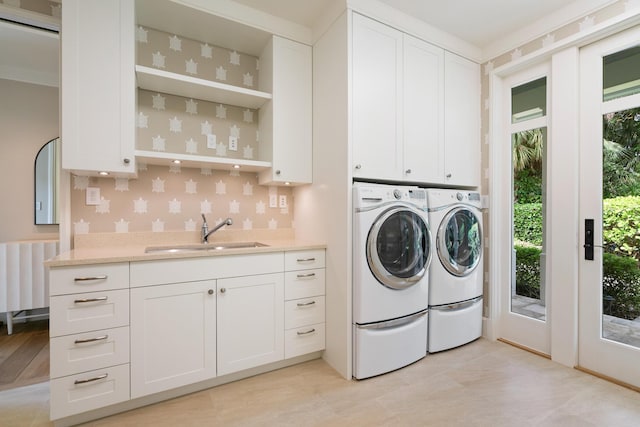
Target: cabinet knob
(223, 290)
(358, 166)
(210, 292)
(408, 171)
(126, 160)
(278, 172)
(448, 175)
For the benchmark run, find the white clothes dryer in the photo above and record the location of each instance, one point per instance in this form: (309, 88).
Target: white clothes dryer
(455, 294)
(391, 257)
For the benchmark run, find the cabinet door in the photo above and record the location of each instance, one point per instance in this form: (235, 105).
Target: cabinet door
(173, 336)
(285, 122)
(250, 321)
(98, 86)
(423, 91)
(462, 121)
(376, 104)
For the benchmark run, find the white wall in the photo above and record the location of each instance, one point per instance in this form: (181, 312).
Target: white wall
(28, 119)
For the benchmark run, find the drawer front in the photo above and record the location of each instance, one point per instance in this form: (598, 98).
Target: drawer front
(304, 260)
(71, 354)
(88, 278)
(91, 390)
(303, 284)
(303, 340)
(72, 314)
(303, 312)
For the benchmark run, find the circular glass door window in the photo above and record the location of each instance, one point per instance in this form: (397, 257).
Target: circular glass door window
(398, 249)
(460, 242)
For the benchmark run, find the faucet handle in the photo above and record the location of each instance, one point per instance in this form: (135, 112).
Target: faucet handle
(204, 219)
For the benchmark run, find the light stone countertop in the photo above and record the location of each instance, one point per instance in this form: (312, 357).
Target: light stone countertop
(122, 251)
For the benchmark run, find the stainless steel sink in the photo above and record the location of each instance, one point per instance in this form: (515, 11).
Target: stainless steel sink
(203, 247)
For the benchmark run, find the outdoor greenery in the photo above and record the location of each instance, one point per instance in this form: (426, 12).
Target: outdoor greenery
(621, 212)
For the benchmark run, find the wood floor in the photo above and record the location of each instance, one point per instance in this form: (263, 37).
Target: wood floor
(484, 383)
(24, 355)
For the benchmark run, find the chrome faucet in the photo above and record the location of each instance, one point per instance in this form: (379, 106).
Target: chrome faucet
(205, 228)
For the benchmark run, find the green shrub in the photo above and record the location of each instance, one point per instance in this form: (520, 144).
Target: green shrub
(621, 286)
(528, 186)
(528, 271)
(621, 226)
(527, 222)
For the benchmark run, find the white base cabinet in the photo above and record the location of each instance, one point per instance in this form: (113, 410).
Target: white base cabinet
(173, 336)
(250, 322)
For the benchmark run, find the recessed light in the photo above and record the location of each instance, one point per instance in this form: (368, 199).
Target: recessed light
(176, 162)
(287, 183)
(236, 166)
(103, 173)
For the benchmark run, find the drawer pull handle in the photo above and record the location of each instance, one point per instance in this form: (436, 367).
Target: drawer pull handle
(303, 276)
(88, 340)
(90, 380)
(86, 279)
(310, 331)
(306, 259)
(305, 304)
(88, 300)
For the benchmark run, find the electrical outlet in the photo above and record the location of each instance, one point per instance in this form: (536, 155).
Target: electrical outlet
(211, 141)
(273, 200)
(283, 201)
(92, 196)
(233, 143)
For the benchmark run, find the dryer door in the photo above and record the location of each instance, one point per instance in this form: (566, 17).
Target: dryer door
(459, 241)
(398, 247)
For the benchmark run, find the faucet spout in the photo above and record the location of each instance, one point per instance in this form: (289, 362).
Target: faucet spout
(205, 229)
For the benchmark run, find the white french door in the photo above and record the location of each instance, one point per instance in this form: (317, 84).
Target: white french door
(609, 289)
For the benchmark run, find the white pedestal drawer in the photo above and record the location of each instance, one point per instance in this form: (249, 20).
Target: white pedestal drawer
(89, 390)
(88, 351)
(72, 314)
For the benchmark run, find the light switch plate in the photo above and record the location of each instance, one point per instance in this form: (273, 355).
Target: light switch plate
(211, 141)
(233, 143)
(283, 201)
(273, 200)
(92, 196)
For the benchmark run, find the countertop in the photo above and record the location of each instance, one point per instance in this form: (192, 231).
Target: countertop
(111, 254)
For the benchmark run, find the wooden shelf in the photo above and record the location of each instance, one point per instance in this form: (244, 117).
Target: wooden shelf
(191, 87)
(193, 161)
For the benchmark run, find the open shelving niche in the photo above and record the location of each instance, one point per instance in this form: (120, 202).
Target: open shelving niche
(199, 25)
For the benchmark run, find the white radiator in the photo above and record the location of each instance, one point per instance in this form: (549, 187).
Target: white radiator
(24, 280)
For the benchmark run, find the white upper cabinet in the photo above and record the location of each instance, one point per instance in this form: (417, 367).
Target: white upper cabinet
(98, 87)
(285, 121)
(423, 119)
(376, 105)
(415, 109)
(462, 121)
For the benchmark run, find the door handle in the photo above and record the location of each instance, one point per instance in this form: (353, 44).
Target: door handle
(588, 239)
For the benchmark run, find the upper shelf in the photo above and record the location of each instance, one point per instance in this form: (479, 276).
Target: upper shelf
(194, 161)
(191, 87)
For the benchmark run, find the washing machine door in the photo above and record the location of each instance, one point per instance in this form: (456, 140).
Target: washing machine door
(459, 241)
(398, 247)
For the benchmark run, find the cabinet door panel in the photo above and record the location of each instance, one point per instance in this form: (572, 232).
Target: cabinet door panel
(173, 336)
(376, 108)
(423, 116)
(462, 121)
(250, 321)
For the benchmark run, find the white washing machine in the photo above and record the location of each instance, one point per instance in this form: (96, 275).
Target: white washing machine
(391, 257)
(455, 294)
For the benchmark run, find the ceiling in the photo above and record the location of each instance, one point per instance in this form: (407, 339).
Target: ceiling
(479, 23)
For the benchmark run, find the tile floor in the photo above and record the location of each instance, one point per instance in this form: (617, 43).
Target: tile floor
(481, 384)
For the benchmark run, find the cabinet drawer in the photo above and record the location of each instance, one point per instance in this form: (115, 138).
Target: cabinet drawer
(90, 390)
(303, 283)
(72, 314)
(304, 260)
(71, 354)
(303, 340)
(88, 278)
(303, 312)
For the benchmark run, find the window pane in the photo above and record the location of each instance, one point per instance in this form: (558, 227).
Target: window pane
(621, 74)
(529, 101)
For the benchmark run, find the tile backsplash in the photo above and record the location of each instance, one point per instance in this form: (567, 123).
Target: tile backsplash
(172, 199)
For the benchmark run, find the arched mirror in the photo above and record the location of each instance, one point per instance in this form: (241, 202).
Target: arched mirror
(46, 183)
